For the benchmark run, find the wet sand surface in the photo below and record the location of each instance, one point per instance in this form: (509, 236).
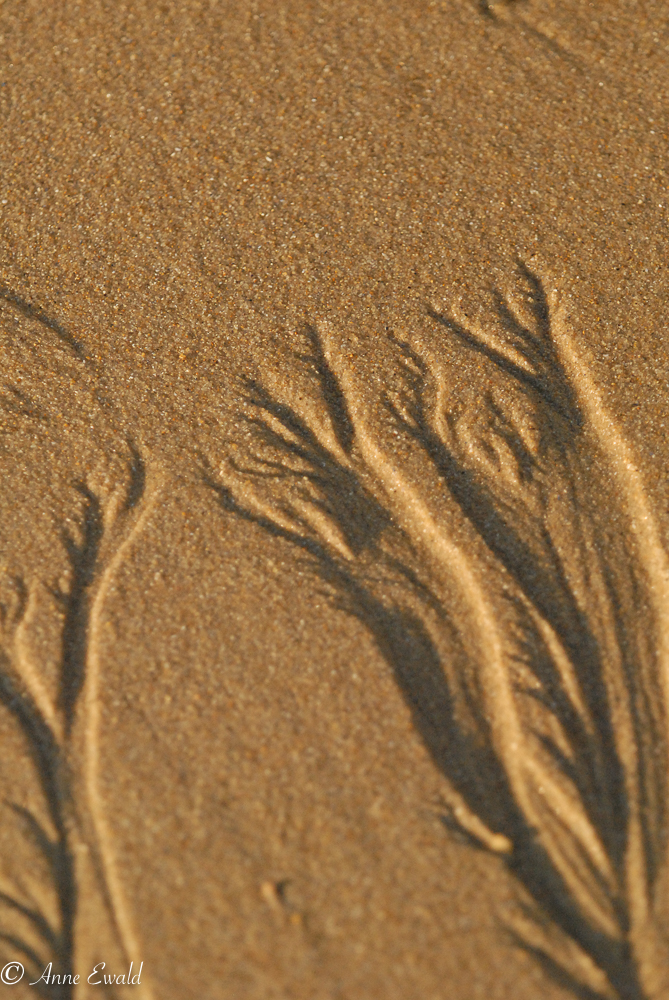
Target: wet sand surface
(334, 497)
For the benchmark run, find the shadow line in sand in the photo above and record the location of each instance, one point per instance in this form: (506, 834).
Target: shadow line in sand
(503, 553)
(35, 313)
(70, 907)
(62, 736)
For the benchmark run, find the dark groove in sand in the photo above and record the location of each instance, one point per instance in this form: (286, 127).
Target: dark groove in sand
(62, 733)
(549, 715)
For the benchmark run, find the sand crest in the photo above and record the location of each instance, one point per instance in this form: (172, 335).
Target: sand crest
(333, 571)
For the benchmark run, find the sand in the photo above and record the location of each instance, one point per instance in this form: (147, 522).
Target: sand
(333, 571)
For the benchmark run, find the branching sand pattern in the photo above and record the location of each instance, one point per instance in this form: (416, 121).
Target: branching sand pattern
(46, 915)
(496, 539)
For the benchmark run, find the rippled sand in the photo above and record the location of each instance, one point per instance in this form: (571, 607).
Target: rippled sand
(333, 571)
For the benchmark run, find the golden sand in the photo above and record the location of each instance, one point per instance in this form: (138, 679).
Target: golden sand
(333, 571)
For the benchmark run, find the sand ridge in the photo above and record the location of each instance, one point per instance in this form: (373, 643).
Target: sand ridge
(333, 568)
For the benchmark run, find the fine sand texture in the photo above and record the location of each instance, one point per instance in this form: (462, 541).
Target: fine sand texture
(334, 562)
